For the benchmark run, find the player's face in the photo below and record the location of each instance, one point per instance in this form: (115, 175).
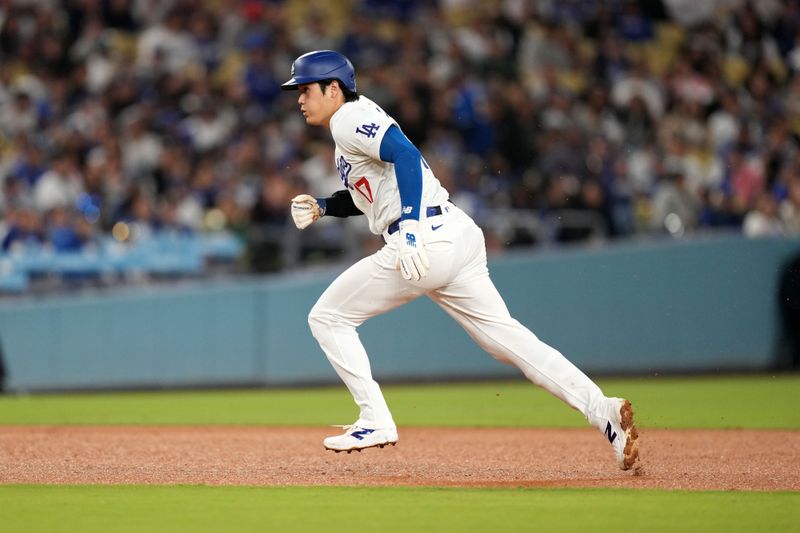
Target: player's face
(317, 106)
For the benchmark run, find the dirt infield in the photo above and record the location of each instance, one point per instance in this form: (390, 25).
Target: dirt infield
(672, 459)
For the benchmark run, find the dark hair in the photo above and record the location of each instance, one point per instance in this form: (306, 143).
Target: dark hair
(349, 96)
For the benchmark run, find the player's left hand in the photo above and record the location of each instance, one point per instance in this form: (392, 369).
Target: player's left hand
(411, 256)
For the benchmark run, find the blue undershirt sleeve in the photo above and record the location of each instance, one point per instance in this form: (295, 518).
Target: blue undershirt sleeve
(397, 149)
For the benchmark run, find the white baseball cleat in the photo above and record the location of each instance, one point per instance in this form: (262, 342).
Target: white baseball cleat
(621, 432)
(357, 438)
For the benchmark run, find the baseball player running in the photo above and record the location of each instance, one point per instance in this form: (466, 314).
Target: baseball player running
(432, 248)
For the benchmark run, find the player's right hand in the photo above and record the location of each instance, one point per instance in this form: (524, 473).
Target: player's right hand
(411, 256)
(305, 210)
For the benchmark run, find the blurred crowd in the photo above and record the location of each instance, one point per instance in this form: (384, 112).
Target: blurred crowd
(550, 121)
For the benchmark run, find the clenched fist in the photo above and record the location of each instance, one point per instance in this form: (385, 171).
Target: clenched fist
(305, 210)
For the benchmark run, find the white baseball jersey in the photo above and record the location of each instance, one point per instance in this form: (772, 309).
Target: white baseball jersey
(358, 129)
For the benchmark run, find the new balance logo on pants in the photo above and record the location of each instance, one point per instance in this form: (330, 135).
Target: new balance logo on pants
(609, 433)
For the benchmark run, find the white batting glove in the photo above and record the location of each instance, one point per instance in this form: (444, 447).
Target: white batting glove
(305, 210)
(411, 256)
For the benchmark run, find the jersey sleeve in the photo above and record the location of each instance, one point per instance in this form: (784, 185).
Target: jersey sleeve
(361, 131)
(397, 149)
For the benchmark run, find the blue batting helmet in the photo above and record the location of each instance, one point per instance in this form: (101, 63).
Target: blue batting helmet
(322, 65)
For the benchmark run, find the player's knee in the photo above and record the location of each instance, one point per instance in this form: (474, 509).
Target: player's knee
(316, 320)
(494, 348)
(320, 320)
(499, 353)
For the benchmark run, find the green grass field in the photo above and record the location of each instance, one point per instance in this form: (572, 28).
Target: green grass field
(214, 509)
(697, 402)
(694, 402)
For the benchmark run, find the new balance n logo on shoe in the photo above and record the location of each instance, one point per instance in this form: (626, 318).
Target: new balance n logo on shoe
(361, 433)
(609, 433)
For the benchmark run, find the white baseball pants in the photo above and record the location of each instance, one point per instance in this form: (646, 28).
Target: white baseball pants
(459, 283)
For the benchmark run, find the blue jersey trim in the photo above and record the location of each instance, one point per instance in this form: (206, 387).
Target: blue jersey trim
(397, 149)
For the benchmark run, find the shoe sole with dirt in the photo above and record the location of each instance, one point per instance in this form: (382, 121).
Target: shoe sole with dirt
(381, 445)
(631, 451)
